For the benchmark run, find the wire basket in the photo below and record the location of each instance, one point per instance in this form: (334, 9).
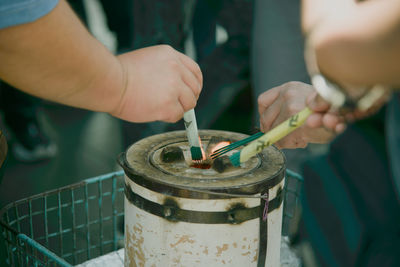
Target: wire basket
(80, 222)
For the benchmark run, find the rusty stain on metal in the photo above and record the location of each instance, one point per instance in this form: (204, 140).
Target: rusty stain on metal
(138, 229)
(139, 251)
(221, 249)
(135, 240)
(177, 260)
(255, 258)
(128, 243)
(185, 245)
(183, 239)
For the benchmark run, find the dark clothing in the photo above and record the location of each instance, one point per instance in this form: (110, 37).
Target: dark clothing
(351, 208)
(226, 69)
(119, 15)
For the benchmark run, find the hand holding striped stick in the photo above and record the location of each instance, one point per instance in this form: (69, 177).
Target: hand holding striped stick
(270, 137)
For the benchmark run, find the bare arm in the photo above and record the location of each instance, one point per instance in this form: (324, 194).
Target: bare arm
(57, 59)
(356, 43)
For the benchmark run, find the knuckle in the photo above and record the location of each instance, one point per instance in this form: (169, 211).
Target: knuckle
(167, 48)
(266, 126)
(173, 64)
(262, 98)
(290, 94)
(293, 84)
(292, 108)
(198, 70)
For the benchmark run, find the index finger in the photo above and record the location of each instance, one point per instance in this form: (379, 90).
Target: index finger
(317, 103)
(267, 98)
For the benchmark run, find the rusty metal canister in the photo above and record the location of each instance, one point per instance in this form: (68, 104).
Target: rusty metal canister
(177, 215)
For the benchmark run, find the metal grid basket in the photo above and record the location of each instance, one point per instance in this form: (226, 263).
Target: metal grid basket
(80, 222)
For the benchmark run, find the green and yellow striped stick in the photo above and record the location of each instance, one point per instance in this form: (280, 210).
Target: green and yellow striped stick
(271, 137)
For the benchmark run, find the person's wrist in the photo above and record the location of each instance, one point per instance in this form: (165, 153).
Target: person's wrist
(344, 98)
(123, 85)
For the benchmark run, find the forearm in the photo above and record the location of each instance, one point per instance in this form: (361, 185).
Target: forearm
(360, 46)
(57, 59)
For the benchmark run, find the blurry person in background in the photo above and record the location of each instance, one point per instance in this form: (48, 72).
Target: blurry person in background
(350, 200)
(225, 66)
(28, 141)
(120, 20)
(46, 51)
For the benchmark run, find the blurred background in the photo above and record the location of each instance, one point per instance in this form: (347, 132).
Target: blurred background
(85, 144)
(243, 47)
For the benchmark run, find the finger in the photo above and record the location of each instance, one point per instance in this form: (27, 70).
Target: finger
(349, 117)
(174, 113)
(267, 98)
(340, 128)
(191, 81)
(193, 67)
(314, 120)
(330, 121)
(269, 116)
(317, 103)
(187, 98)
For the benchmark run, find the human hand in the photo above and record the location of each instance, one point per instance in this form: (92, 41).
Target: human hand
(279, 103)
(354, 41)
(314, 13)
(161, 84)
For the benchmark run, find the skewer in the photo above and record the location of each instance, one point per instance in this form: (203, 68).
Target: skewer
(270, 137)
(223, 150)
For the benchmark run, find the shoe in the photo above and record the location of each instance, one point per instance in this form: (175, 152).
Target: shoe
(30, 143)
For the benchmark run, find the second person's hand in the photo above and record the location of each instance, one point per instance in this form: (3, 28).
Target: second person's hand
(279, 103)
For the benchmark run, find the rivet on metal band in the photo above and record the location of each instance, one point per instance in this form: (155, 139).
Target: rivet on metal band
(172, 212)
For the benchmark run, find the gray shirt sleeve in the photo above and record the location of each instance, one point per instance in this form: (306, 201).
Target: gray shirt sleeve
(16, 12)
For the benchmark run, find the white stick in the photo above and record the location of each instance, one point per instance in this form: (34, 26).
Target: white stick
(191, 128)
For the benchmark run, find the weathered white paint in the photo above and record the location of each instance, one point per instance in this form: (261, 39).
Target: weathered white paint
(153, 241)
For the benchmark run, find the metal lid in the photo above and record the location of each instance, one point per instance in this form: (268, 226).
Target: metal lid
(142, 164)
